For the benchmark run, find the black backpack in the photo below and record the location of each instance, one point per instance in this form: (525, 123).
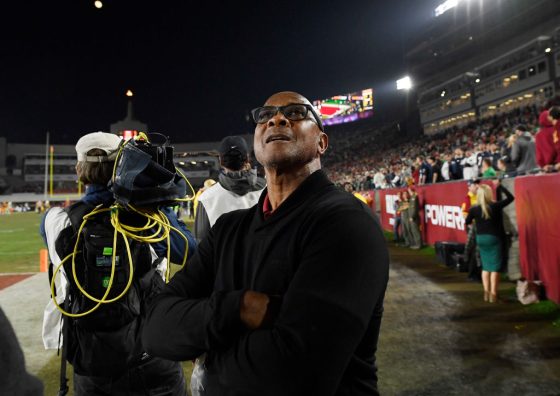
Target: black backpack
(107, 341)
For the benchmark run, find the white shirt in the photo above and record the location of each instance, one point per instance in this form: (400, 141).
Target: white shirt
(217, 201)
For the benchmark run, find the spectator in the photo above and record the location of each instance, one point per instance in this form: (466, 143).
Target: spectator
(397, 218)
(472, 257)
(425, 171)
(545, 151)
(495, 154)
(490, 235)
(523, 151)
(487, 170)
(503, 170)
(554, 114)
(470, 169)
(379, 180)
(349, 188)
(414, 219)
(456, 165)
(404, 202)
(445, 168)
(207, 184)
(436, 169)
(238, 186)
(506, 154)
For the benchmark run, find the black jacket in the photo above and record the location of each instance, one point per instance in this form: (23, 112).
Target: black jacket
(323, 256)
(495, 224)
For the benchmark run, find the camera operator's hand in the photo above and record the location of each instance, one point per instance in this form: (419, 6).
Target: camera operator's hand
(253, 309)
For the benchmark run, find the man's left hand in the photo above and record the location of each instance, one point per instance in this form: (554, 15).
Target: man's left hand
(253, 309)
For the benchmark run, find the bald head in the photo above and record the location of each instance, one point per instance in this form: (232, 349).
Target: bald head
(286, 97)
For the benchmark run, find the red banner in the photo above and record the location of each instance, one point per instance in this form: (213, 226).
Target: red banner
(537, 203)
(440, 211)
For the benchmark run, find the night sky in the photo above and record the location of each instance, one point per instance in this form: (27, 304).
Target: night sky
(196, 68)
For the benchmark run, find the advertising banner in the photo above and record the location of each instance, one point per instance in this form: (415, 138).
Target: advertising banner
(440, 211)
(537, 205)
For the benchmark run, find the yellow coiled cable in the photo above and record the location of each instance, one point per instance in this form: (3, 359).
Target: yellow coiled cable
(136, 233)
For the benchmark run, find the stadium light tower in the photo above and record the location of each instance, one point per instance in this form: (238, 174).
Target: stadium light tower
(404, 83)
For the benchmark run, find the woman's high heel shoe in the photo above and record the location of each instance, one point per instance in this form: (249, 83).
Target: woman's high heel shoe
(493, 298)
(486, 296)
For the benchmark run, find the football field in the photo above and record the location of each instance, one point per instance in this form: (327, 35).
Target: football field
(20, 242)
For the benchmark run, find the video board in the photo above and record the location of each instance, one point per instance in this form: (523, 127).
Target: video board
(346, 108)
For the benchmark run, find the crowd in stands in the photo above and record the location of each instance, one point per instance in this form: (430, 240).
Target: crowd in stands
(505, 145)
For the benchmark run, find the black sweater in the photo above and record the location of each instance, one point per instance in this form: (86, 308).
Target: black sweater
(495, 224)
(322, 253)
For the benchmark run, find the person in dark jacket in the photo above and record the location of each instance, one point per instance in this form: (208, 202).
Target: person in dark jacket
(238, 186)
(286, 297)
(414, 219)
(456, 165)
(490, 235)
(15, 380)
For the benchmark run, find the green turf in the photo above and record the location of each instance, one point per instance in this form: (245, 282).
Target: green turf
(20, 242)
(426, 249)
(543, 307)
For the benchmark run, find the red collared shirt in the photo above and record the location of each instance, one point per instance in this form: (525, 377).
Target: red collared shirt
(267, 208)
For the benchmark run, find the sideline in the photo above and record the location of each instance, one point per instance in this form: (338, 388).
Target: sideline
(23, 303)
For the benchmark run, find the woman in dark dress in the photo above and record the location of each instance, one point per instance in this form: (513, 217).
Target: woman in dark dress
(490, 235)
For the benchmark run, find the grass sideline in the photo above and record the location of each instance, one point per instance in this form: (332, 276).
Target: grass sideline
(20, 242)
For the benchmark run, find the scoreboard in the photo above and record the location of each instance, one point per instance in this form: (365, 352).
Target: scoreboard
(346, 108)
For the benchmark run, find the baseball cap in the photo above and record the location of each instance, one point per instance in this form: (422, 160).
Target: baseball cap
(231, 143)
(107, 142)
(209, 183)
(233, 152)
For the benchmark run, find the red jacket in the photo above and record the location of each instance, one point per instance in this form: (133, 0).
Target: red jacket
(546, 152)
(556, 142)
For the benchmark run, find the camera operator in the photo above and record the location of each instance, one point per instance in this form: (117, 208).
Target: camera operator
(96, 158)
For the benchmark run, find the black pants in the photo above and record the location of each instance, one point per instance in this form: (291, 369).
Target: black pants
(156, 377)
(472, 255)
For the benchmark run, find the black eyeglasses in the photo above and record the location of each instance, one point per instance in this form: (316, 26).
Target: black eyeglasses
(293, 112)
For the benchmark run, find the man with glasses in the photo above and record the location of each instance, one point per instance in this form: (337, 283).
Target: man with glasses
(284, 298)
